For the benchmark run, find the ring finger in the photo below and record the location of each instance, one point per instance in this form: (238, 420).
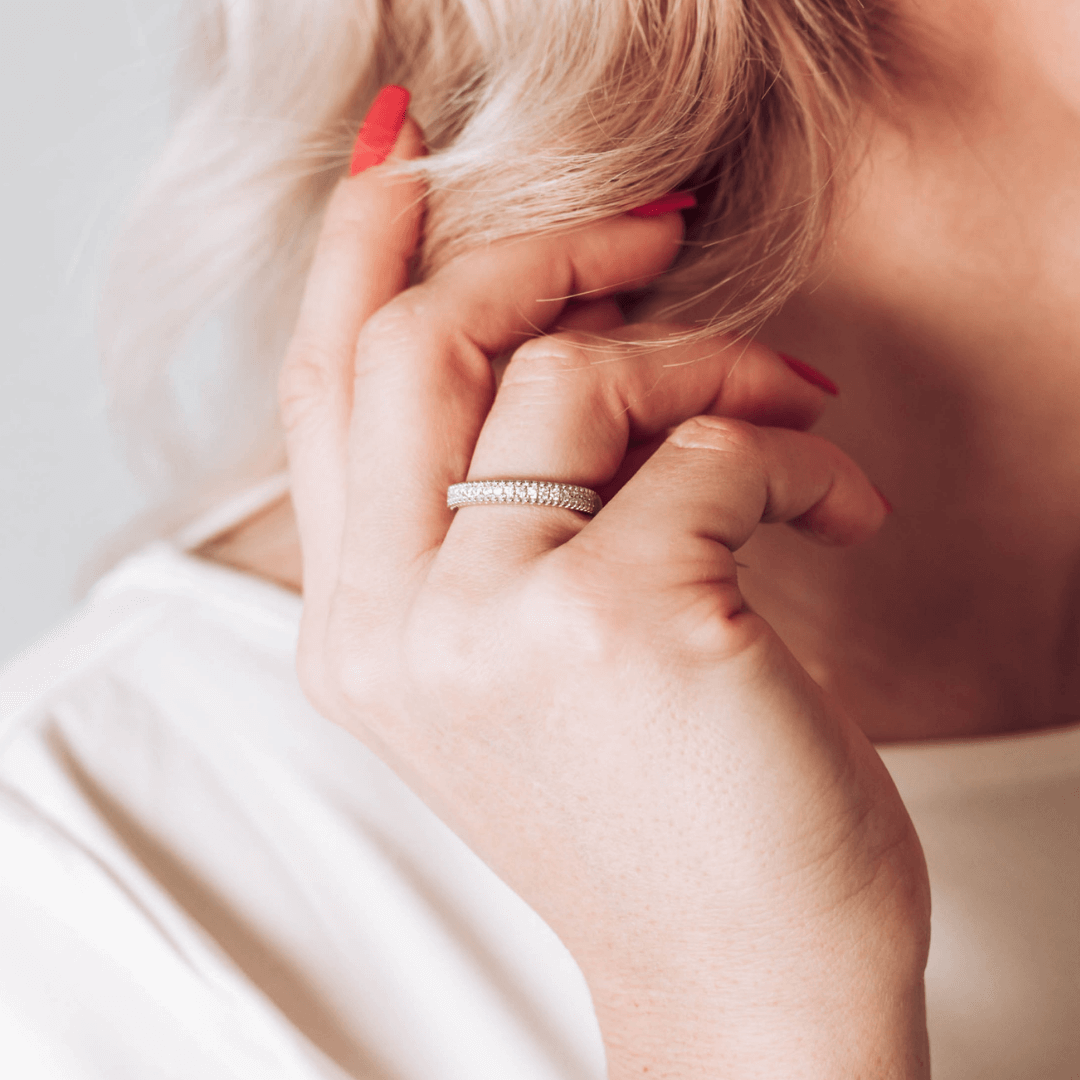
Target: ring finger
(572, 404)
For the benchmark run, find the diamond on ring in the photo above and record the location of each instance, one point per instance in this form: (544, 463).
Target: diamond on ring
(527, 492)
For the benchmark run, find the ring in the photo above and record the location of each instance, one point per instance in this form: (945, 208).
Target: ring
(528, 492)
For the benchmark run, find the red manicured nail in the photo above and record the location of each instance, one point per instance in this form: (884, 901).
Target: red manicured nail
(380, 128)
(885, 502)
(677, 200)
(811, 375)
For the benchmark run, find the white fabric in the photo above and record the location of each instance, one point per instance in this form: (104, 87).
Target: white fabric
(200, 877)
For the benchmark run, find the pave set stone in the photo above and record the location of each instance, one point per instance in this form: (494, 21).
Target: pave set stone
(528, 492)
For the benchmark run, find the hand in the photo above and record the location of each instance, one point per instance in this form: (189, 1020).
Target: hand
(589, 703)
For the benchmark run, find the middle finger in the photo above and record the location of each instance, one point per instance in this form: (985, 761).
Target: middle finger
(423, 382)
(572, 404)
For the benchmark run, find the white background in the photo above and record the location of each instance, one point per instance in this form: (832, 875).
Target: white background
(83, 108)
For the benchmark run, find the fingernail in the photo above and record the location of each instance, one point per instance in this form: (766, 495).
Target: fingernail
(811, 375)
(380, 128)
(677, 200)
(885, 502)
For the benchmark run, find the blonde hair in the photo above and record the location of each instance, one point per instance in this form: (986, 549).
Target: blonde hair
(539, 116)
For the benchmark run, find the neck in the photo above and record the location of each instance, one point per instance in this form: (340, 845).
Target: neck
(947, 312)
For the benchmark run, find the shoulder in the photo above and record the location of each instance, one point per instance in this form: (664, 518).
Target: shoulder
(161, 626)
(110, 728)
(64, 656)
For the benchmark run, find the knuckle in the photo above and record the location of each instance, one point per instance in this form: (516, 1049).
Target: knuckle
(719, 434)
(401, 316)
(394, 324)
(416, 326)
(442, 647)
(342, 667)
(551, 356)
(360, 682)
(305, 382)
(356, 686)
(569, 610)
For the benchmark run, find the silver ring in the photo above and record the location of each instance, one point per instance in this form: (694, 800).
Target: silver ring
(527, 492)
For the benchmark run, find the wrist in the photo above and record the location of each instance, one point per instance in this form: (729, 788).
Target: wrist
(846, 1001)
(868, 1029)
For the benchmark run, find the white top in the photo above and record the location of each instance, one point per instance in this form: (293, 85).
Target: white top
(202, 878)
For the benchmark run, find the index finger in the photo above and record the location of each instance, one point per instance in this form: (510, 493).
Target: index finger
(369, 233)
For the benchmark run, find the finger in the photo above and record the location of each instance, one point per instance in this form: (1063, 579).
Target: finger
(424, 382)
(361, 262)
(595, 316)
(589, 316)
(708, 487)
(570, 411)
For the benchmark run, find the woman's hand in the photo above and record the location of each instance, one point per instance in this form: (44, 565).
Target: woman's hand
(589, 703)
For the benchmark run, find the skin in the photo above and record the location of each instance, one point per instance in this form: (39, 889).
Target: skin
(589, 704)
(795, 917)
(946, 311)
(948, 316)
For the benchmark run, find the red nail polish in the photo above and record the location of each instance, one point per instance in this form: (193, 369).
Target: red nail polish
(811, 375)
(380, 128)
(677, 200)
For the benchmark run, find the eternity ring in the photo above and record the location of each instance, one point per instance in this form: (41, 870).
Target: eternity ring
(529, 492)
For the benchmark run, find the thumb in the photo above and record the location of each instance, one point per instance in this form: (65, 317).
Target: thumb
(702, 494)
